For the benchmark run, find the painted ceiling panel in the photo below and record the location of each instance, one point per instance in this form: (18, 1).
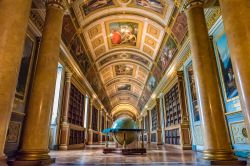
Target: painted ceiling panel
(130, 42)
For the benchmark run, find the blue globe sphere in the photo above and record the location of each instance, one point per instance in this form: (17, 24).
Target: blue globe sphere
(127, 136)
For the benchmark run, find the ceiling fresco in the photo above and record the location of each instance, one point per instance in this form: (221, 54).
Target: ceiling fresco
(125, 45)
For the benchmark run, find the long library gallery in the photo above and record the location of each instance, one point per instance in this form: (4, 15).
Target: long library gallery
(124, 82)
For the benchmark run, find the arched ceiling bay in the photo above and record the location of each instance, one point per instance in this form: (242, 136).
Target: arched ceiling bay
(124, 39)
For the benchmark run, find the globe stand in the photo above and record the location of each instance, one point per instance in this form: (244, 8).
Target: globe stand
(126, 151)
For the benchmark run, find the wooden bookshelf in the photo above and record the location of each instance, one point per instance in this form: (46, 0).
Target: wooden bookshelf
(95, 119)
(102, 127)
(95, 137)
(172, 137)
(76, 137)
(172, 103)
(146, 123)
(153, 137)
(177, 129)
(154, 119)
(76, 107)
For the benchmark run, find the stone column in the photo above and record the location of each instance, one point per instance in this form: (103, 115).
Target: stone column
(64, 140)
(12, 35)
(149, 127)
(35, 137)
(216, 139)
(90, 132)
(159, 131)
(236, 17)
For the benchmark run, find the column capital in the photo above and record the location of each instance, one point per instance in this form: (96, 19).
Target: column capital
(68, 75)
(194, 3)
(56, 3)
(200, 3)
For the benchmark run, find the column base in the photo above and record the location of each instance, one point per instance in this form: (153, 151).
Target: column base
(3, 161)
(31, 163)
(33, 155)
(63, 147)
(217, 162)
(219, 155)
(159, 140)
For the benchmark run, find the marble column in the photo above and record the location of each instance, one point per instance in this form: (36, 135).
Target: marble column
(236, 17)
(64, 136)
(159, 131)
(90, 132)
(12, 36)
(35, 136)
(149, 127)
(216, 138)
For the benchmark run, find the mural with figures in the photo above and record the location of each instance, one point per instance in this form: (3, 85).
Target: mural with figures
(157, 6)
(124, 69)
(167, 54)
(229, 84)
(125, 87)
(24, 68)
(180, 27)
(123, 33)
(93, 5)
(68, 30)
(78, 52)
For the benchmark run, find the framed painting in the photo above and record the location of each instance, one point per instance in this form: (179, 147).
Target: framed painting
(156, 6)
(125, 87)
(193, 94)
(180, 27)
(167, 54)
(90, 6)
(68, 30)
(79, 54)
(152, 83)
(225, 67)
(26, 63)
(13, 132)
(124, 32)
(124, 69)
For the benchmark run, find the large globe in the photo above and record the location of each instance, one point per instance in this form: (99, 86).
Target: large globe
(124, 123)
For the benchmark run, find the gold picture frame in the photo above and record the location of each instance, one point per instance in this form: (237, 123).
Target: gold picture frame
(124, 21)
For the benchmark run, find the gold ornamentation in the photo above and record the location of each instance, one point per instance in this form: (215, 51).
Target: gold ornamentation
(178, 3)
(97, 42)
(13, 132)
(99, 51)
(149, 41)
(148, 50)
(153, 31)
(94, 31)
(37, 19)
(244, 132)
(213, 18)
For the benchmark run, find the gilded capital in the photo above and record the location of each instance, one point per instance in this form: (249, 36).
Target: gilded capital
(200, 3)
(56, 3)
(194, 3)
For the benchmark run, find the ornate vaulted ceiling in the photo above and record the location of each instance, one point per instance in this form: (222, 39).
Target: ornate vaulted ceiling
(123, 46)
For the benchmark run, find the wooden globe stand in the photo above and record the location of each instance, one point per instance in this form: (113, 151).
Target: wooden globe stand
(124, 150)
